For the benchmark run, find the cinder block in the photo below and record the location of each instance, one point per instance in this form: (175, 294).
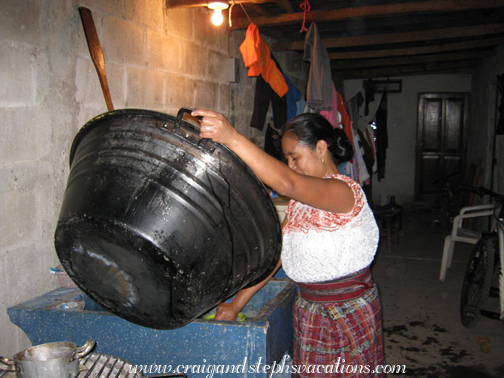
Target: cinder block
(163, 53)
(124, 42)
(23, 136)
(19, 21)
(179, 93)
(145, 12)
(236, 38)
(204, 30)
(24, 271)
(207, 34)
(117, 77)
(22, 260)
(179, 22)
(88, 84)
(145, 89)
(194, 60)
(105, 7)
(16, 76)
(216, 66)
(18, 221)
(89, 93)
(205, 95)
(224, 98)
(25, 177)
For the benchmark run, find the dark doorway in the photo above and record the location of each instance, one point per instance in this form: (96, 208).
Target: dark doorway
(441, 142)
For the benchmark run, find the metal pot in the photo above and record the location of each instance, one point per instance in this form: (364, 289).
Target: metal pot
(51, 360)
(158, 225)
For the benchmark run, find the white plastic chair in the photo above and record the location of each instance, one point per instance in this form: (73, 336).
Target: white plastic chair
(460, 234)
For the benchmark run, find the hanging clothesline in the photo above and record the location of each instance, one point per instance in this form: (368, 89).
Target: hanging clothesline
(274, 87)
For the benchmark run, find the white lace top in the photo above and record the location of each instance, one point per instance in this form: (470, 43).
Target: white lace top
(320, 245)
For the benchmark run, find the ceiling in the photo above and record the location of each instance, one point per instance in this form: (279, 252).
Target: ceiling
(380, 38)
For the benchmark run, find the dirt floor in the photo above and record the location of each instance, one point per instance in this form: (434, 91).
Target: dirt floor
(422, 327)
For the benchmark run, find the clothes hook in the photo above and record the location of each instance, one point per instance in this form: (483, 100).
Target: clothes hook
(306, 7)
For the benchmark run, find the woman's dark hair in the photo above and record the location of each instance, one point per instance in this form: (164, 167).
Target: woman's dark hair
(309, 128)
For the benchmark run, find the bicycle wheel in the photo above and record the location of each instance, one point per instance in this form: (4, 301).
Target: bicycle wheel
(477, 281)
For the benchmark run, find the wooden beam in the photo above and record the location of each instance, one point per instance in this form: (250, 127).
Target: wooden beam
(255, 8)
(431, 6)
(381, 39)
(422, 69)
(286, 6)
(410, 60)
(199, 4)
(481, 43)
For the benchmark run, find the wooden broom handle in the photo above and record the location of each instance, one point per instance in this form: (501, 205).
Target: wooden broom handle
(96, 53)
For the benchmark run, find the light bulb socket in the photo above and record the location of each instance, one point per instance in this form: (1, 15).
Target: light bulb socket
(218, 5)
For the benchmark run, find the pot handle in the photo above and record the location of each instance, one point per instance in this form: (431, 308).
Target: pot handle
(10, 365)
(178, 122)
(85, 349)
(180, 116)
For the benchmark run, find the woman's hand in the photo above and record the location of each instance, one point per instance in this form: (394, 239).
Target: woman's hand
(227, 311)
(215, 126)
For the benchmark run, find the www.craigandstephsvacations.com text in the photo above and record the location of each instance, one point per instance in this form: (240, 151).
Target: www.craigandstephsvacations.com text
(259, 367)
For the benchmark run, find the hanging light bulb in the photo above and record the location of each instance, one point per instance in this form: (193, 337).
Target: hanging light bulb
(217, 7)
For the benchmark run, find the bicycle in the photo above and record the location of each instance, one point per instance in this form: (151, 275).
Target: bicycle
(482, 268)
(447, 202)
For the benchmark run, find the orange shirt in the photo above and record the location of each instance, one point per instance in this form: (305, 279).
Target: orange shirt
(257, 57)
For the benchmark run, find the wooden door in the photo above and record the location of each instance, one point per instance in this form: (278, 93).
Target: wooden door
(441, 142)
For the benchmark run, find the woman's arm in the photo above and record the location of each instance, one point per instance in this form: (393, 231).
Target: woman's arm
(331, 195)
(230, 310)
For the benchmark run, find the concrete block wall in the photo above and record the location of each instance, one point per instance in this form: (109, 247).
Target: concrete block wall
(156, 58)
(485, 98)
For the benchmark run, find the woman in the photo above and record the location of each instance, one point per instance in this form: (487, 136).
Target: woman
(329, 241)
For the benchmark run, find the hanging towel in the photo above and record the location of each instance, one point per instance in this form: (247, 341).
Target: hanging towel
(319, 88)
(257, 57)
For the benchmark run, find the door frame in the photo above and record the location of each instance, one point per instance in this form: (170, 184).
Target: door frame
(420, 116)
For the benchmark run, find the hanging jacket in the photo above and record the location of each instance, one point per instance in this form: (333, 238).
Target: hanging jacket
(319, 90)
(257, 58)
(293, 97)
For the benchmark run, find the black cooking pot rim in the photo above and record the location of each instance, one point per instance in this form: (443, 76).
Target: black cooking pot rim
(92, 123)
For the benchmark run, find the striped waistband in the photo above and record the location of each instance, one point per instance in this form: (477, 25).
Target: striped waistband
(339, 290)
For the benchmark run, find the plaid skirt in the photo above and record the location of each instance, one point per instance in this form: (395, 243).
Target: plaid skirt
(338, 339)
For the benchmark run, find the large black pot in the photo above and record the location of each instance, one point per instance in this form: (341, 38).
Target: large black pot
(158, 225)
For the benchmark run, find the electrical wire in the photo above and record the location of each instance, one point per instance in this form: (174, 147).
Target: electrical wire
(246, 12)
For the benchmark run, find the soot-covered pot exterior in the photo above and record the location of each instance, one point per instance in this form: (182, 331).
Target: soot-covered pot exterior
(158, 225)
